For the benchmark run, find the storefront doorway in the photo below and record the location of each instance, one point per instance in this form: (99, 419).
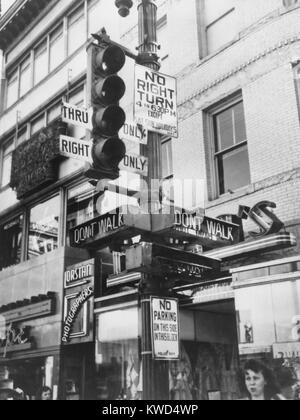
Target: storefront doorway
(208, 368)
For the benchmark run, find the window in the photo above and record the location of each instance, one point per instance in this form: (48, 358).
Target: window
(25, 76)
(43, 228)
(10, 242)
(77, 98)
(40, 62)
(22, 135)
(37, 124)
(6, 163)
(220, 23)
(76, 30)
(231, 151)
(54, 112)
(57, 51)
(12, 89)
(93, 17)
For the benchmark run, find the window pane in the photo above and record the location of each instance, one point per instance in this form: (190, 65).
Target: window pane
(40, 63)
(57, 53)
(43, 228)
(54, 112)
(93, 16)
(37, 124)
(224, 130)
(6, 165)
(25, 77)
(22, 135)
(167, 162)
(12, 89)
(239, 122)
(10, 243)
(234, 170)
(76, 30)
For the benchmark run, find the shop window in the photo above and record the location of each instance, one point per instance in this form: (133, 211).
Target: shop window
(6, 163)
(25, 76)
(10, 242)
(231, 149)
(220, 23)
(76, 30)
(43, 228)
(12, 88)
(118, 361)
(57, 50)
(40, 62)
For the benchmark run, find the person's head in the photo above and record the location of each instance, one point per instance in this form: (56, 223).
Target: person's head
(287, 380)
(46, 394)
(259, 381)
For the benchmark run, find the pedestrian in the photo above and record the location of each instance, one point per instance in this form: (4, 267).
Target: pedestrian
(45, 394)
(260, 383)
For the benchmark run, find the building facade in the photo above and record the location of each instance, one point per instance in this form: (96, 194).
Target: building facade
(237, 65)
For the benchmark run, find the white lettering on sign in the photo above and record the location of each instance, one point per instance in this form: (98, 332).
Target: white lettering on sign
(155, 104)
(77, 273)
(165, 328)
(134, 132)
(75, 149)
(286, 350)
(135, 163)
(77, 116)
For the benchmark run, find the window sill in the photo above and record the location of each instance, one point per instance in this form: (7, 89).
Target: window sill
(226, 198)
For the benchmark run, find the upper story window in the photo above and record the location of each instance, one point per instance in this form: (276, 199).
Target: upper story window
(37, 124)
(12, 88)
(25, 76)
(76, 30)
(22, 135)
(93, 16)
(56, 46)
(10, 242)
(40, 62)
(44, 228)
(231, 149)
(54, 112)
(6, 162)
(220, 23)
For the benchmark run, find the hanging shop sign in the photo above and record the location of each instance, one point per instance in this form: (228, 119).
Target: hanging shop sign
(155, 102)
(165, 328)
(192, 226)
(289, 350)
(135, 163)
(34, 163)
(122, 223)
(131, 131)
(75, 148)
(77, 116)
(79, 274)
(78, 303)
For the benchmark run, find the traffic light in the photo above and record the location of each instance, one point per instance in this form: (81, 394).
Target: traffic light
(105, 89)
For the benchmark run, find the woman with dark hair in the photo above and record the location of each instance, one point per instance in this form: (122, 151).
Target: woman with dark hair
(45, 394)
(260, 382)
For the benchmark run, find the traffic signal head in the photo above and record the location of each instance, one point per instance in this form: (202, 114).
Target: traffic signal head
(124, 6)
(105, 90)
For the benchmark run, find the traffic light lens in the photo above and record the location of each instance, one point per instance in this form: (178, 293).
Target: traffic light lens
(110, 60)
(108, 153)
(109, 90)
(110, 120)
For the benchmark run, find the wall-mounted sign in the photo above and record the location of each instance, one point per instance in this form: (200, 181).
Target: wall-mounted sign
(209, 232)
(78, 303)
(77, 116)
(286, 350)
(75, 148)
(79, 274)
(74, 304)
(124, 222)
(155, 102)
(15, 339)
(33, 162)
(135, 163)
(134, 132)
(165, 328)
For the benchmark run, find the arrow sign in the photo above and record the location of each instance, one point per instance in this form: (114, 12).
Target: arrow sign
(135, 163)
(77, 116)
(75, 148)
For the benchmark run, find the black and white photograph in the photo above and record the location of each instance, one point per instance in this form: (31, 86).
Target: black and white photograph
(149, 202)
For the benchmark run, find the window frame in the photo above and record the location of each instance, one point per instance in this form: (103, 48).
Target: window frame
(214, 186)
(9, 142)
